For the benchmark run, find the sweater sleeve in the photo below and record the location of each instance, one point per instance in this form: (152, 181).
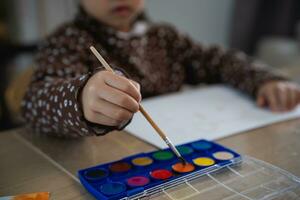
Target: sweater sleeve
(51, 103)
(215, 65)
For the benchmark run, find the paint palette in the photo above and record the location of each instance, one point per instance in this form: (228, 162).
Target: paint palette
(132, 176)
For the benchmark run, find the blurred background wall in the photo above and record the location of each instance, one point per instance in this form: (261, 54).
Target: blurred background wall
(207, 21)
(266, 29)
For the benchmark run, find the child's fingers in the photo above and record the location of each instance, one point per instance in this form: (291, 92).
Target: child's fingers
(292, 99)
(111, 110)
(123, 84)
(138, 86)
(282, 97)
(279, 96)
(295, 95)
(119, 98)
(271, 100)
(99, 118)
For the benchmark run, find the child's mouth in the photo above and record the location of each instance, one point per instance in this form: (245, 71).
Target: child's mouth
(122, 10)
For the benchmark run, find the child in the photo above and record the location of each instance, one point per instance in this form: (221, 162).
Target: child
(70, 95)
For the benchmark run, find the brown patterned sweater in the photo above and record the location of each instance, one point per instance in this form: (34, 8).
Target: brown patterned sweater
(157, 56)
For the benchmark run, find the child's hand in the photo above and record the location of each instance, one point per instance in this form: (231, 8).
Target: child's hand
(279, 96)
(110, 99)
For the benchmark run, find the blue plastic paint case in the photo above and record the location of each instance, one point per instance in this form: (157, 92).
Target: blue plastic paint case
(122, 178)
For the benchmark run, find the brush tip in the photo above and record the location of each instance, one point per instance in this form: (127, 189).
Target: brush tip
(183, 161)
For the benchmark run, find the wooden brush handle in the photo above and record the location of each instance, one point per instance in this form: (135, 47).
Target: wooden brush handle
(152, 123)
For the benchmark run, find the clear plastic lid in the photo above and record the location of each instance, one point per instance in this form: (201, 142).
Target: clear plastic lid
(247, 178)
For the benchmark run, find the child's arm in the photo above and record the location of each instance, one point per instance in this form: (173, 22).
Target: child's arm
(216, 65)
(60, 97)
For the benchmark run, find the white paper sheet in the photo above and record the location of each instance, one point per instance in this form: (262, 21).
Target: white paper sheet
(206, 112)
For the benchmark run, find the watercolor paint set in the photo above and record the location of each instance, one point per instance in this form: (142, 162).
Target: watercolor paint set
(132, 176)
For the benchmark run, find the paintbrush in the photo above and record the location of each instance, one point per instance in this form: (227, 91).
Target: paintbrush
(143, 111)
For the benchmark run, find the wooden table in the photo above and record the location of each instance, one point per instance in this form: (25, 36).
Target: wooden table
(31, 163)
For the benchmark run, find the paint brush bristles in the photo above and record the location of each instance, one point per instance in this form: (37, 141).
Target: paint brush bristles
(143, 111)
